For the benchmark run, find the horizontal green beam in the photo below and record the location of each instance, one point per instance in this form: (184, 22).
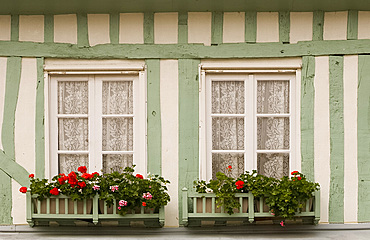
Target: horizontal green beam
(185, 51)
(98, 6)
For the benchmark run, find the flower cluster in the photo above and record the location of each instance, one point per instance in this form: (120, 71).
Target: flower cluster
(114, 188)
(147, 196)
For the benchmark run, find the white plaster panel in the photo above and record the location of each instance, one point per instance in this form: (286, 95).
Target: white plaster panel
(234, 27)
(131, 28)
(350, 80)
(18, 204)
(364, 25)
(199, 27)
(31, 28)
(25, 116)
(65, 28)
(335, 26)
(267, 27)
(3, 64)
(165, 28)
(98, 28)
(169, 106)
(300, 26)
(322, 133)
(5, 27)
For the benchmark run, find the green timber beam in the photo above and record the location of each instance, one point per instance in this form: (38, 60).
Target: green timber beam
(185, 51)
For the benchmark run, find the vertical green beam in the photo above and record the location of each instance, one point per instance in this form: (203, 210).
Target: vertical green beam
(148, 28)
(284, 26)
(14, 35)
(318, 26)
(307, 116)
(13, 76)
(188, 125)
(49, 28)
(363, 138)
(217, 28)
(82, 30)
(183, 27)
(114, 28)
(250, 27)
(154, 117)
(336, 200)
(352, 25)
(39, 121)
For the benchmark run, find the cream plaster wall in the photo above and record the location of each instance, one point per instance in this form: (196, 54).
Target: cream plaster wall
(363, 25)
(322, 133)
(131, 28)
(199, 27)
(31, 28)
(300, 26)
(65, 28)
(98, 28)
(335, 26)
(267, 27)
(5, 26)
(234, 27)
(18, 204)
(165, 28)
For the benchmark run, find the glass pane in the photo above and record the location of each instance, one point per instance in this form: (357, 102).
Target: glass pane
(118, 97)
(227, 133)
(273, 97)
(117, 134)
(273, 133)
(70, 162)
(228, 97)
(273, 164)
(116, 162)
(73, 134)
(73, 97)
(221, 161)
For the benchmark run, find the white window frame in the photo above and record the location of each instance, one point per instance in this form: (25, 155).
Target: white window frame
(95, 71)
(251, 70)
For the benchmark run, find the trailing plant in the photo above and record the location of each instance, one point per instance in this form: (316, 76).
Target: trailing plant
(283, 196)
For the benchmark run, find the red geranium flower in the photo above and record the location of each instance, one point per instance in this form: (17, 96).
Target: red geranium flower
(229, 167)
(31, 175)
(54, 191)
(139, 176)
(72, 179)
(294, 173)
(82, 169)
(86, 176)
(239, 184)
(95, 174)
(299, 178)
(81, 184)
(144, 204)
(23, 189)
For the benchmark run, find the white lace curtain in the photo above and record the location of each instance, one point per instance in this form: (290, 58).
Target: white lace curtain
(116, 129)
(228, 133)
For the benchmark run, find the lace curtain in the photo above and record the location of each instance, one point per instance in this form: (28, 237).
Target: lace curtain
(228, 133)
(117, 131)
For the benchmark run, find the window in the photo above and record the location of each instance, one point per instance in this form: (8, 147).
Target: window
(96, 119)
(248, 120)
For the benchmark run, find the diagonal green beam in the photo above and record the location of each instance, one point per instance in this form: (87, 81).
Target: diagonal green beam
(14, 170)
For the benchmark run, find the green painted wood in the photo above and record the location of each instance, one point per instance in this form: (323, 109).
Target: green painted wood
(5, 199)
(82, 30)
(98, 6)
(250, 27)
(13, 77)
(307, 116)
(39, 121)
(284, 26)
(14, 32)
(185, 51)
(154, 129)
(336, 200)
(183, 28)
(352, 25)
(188, 125)
(49, 28)
(114, 28)
(318, 26)
(363, 138)
(149, 28)
(217, 28)
(11, 168)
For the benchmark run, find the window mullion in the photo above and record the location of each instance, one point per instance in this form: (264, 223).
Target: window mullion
(98, 124)
(249, 124)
